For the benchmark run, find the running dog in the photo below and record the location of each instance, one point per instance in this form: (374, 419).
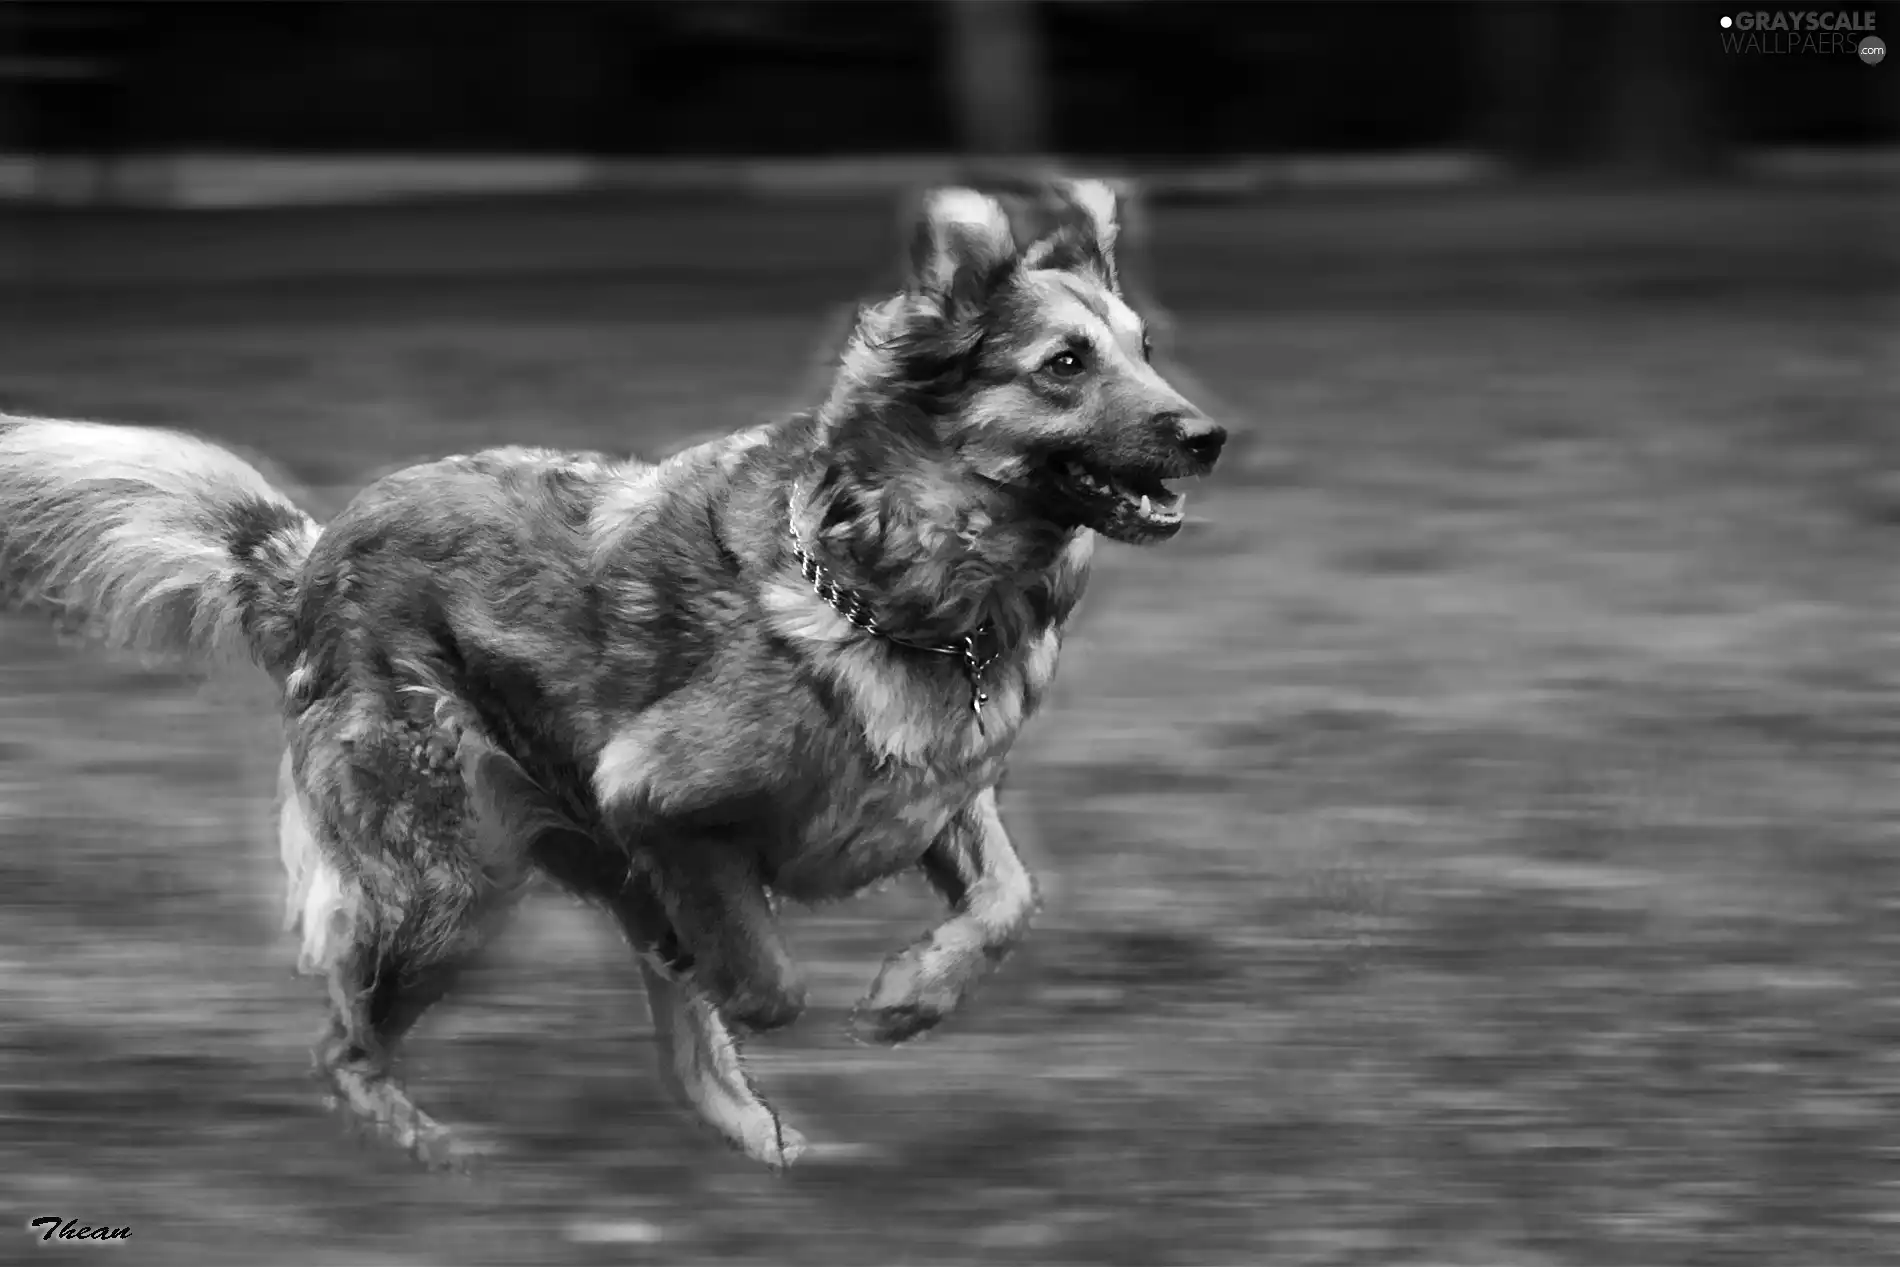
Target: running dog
(785, 663)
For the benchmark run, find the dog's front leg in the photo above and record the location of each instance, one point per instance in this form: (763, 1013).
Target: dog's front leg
(716, 901)
(698, 1057)
(701, 1063)
(973, 864)
(707, 878)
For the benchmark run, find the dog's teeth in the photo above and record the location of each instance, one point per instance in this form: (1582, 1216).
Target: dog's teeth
(1147, 507)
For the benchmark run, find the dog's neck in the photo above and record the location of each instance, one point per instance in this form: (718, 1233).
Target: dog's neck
(930, 550)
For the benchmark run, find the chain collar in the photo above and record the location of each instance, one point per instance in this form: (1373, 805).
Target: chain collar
(849, 605)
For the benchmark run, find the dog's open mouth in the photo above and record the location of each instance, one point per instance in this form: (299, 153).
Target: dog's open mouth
(1130, 505)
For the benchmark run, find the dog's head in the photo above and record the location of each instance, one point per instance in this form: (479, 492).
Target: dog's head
(1013, 355)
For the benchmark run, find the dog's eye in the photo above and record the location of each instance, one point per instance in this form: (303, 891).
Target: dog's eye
(1147, 348)
(1064, 365)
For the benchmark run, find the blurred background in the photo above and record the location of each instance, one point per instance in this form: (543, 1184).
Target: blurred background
(1473, 844)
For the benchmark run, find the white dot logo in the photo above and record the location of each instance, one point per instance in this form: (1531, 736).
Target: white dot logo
(1727, 23)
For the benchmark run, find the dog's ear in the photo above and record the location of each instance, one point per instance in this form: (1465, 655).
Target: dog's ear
(1101, 202)
(961, 234)
(1076, 225)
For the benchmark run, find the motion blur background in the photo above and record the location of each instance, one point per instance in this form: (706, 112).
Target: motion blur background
(1474, 844)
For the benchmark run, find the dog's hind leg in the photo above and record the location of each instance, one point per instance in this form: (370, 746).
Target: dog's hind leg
(375, 1000)
(974, 865)
(391, 938)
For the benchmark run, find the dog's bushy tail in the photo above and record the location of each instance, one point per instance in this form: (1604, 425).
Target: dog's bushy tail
(150, 540)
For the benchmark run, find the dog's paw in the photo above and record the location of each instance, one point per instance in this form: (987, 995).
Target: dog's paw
(760, 1008)
(787, 1148)
(377, 1112)
(888, 1027)
(906, 1000)
(764, 1138)
(437, 1148)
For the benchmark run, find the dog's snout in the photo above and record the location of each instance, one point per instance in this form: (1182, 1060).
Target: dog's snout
(1200, 437)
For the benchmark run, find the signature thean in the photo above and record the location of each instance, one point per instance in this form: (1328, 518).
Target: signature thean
(58, 1228)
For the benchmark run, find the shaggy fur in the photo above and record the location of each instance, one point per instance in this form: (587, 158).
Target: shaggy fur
(524, 663)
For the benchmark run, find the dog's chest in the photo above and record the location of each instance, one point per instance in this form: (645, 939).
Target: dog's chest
(872, 824)
(904, 753)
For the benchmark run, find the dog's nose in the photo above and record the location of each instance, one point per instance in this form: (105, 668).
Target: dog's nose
(1203, 439)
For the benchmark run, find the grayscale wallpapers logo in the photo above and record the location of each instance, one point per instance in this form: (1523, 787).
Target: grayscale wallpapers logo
(1786, 32)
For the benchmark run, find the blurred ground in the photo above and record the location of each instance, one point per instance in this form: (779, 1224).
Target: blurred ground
(1475, 845)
